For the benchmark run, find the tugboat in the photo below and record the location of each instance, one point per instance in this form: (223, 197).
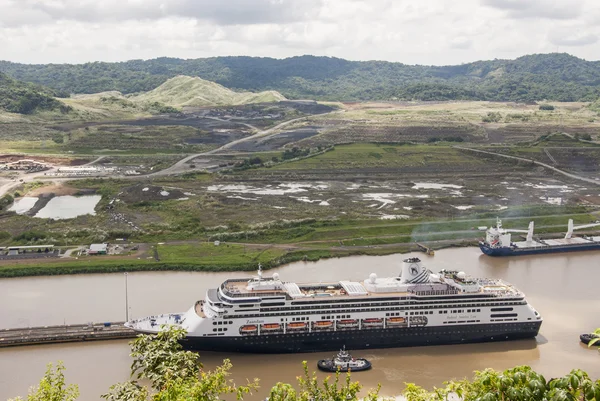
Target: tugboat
(587, 337)
(343, 362)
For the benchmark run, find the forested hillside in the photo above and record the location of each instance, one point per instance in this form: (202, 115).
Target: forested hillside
(26, 98)
(556, 76)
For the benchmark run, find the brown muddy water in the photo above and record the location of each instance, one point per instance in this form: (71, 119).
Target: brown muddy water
(564, 288)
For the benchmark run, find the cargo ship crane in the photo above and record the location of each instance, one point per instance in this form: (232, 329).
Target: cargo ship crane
(571, 227)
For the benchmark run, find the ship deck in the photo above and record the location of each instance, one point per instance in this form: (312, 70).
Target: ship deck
(306, 290)
(344, 289)
(555, 242)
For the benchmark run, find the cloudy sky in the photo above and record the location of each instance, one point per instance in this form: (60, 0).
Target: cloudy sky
(410, 31)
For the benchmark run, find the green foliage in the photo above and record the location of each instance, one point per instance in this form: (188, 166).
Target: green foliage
(53, 387)
(174, 374)
(29, 236)
(492, 117)
(517, 384)
(161, 358)
(595, 340)
(434, 139)
(294, 153)
(26, 98)
(5, 202)
(311, 388)
(555, 77)
(547, 107)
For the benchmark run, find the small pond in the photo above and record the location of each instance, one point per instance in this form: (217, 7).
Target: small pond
(68, 207)
(23, 205)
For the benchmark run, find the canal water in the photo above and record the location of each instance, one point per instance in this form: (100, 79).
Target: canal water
(564, 288)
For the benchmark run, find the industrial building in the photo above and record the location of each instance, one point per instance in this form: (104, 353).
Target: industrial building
(98, 249)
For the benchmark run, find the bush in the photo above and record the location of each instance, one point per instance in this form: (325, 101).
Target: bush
(6, 201)
(548, 107)
(492, 117)
(28, 236)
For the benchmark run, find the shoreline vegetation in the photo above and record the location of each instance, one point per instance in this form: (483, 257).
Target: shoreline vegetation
(171, 373)
(306, 240)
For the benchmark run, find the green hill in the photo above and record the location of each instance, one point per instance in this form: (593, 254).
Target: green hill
(193, 91)
(26, 98)
(556, 76)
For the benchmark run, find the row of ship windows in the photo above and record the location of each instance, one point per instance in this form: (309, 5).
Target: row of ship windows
(220, 329)
(395, 304)
(220, 322)
(460, 311)
(352, 310)
(383, 333)
(462, 321)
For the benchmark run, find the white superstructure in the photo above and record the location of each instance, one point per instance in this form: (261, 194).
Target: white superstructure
(242, 309)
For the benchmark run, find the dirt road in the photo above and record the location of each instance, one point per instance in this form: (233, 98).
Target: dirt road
(180, 166)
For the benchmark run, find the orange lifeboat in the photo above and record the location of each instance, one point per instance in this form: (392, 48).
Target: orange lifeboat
(323, 324)
(395, 320)
(271, 327)
(346, 323)
(296, 325)
(248, 329)
(373, 322)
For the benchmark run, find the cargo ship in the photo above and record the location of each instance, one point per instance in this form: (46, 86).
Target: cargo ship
(417, 307)
(498, 241)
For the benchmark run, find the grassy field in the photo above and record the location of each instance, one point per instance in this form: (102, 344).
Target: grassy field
(368, 155)
(186, 258)
(439, 121)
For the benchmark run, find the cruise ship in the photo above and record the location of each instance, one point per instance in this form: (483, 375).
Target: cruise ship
(268, 315)
(498, 241)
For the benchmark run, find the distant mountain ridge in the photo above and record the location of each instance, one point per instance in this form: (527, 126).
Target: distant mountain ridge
(556, 76)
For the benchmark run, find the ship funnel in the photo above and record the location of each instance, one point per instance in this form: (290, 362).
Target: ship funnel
(413, 272)
(570, 229)
(530, 232)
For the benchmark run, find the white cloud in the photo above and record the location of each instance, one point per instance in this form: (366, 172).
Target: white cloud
(409, 31)
(554, 9)
(572, 36)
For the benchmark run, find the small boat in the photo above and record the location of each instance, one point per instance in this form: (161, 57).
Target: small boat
(587, 337)
(343, 362)
(323, 324)
(393, 321)
(249, 329)
(347, 323)
(270, 327)
(372, 322)
(296, 326)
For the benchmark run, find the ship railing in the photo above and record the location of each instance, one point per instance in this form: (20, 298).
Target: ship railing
(226, 291)
(431, 292)
(172, 318)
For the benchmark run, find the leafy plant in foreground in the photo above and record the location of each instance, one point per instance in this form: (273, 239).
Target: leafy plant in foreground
(53, 387)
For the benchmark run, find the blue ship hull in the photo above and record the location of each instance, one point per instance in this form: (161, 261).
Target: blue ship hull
(514, 251)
